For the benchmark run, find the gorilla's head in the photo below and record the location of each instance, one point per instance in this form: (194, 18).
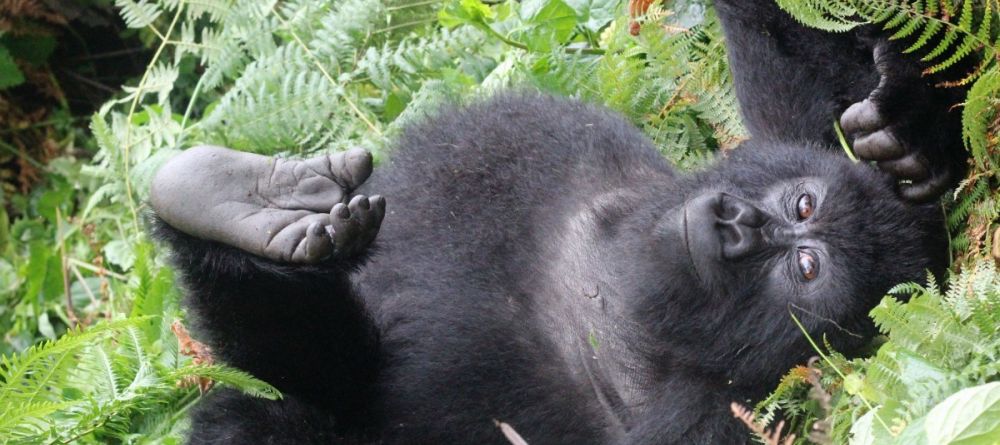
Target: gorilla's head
(777, 230)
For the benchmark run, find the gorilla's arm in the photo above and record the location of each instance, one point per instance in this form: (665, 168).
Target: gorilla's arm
(296, 325)
(910, 128)
(793, 82)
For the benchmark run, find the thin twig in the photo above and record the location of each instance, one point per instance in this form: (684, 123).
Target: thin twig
(64, 266)
(96, 269)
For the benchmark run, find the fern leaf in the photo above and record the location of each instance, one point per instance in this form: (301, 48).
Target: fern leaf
(910, 26)
(969, 43)
(929, 31)
(15, 370)
(807, 12)
(138, 14)
(981, 108)
(899, 18)
(231, 377)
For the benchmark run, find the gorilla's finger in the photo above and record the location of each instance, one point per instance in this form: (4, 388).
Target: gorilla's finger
(861, 117)
(909, 167)
(344, 227)
(359, 203)
(314, 193)
(315, 245)
(925, 191)
(378, 207)
(881, 56)
(360, 216)
(340, 211)
(878, 146)
(351, 168)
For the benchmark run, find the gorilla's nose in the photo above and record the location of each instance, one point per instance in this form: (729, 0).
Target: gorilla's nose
(739, 223)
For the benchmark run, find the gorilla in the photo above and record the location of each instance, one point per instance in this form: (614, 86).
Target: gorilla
(534, 261)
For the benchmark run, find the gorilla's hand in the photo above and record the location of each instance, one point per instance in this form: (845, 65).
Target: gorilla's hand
(280, 209)
(906, 137)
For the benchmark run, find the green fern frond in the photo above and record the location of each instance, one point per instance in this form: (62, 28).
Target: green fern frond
(922, 22)
(138, 14)
(18, 372)
(978, 119)
(829, 16)
(230, 377)
(883, 374)
(960, 211)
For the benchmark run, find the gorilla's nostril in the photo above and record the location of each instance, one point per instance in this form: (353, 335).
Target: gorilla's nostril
(724, 208)
(730, 234)
(738, 211)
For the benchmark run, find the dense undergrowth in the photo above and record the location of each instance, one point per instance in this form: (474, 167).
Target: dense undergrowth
(94, 346)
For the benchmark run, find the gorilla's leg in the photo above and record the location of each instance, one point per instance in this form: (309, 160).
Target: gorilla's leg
(265, 248)
(893, 128)
(274, 208)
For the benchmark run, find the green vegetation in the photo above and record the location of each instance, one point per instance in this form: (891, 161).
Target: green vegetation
(88, 307)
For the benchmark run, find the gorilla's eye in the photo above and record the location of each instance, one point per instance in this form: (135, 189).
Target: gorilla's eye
(808, 265)
(805, 206)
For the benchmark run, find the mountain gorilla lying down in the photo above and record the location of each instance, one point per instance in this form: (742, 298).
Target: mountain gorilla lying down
(534, 261)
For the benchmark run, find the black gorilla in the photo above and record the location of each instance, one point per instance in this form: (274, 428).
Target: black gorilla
(539, 264)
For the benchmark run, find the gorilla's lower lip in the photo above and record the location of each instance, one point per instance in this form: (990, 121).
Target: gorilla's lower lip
(701, 239)
(687, 245)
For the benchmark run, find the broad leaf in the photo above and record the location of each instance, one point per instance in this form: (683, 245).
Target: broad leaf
(968, 417)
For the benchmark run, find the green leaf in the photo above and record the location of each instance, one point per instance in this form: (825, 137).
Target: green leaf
(968, 417)
(58, 198)
(861, 430)
(913, 434)
(394, 105)
(119, 253)
(10, 74)
(34, 271)
(34, 49)
(45, 326)
(462, 12)
(595, 14)
(549, 23)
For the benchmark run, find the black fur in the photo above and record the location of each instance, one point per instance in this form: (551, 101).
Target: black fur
(529, 270)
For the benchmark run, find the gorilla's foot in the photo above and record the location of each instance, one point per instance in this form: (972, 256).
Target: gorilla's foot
(876, 138)
(278, 209)
(354, 226)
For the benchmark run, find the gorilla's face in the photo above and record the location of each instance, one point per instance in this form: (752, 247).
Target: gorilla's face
(781, 229)
(774, 230)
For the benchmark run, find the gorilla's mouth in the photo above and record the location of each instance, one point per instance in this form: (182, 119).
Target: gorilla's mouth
(700, 244)
(687, 244)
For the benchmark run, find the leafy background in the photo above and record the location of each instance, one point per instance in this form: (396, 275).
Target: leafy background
(94, 349)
